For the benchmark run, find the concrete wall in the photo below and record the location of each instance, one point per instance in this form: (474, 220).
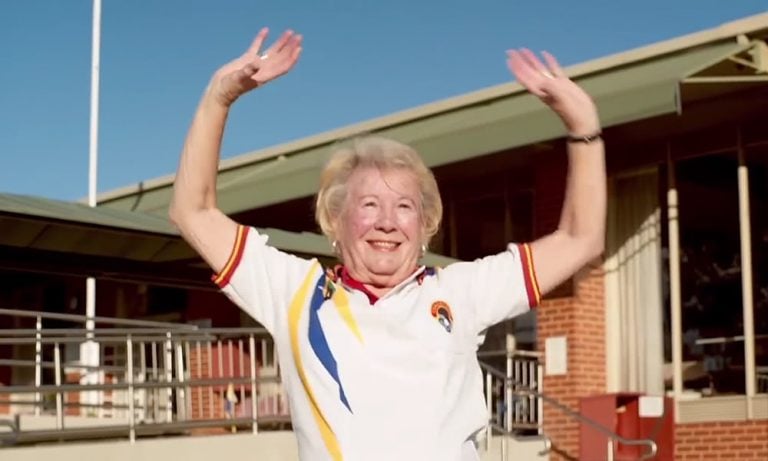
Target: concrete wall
(270, 446)
(266, 446)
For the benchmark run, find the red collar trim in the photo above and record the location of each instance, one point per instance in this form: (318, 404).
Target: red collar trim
(342, 274)
(347, 280)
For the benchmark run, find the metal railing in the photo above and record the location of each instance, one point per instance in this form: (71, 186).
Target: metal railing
(152, 378)
(515, 401)
(158, 378)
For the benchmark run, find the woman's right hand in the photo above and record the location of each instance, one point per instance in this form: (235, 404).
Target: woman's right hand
(254, 69)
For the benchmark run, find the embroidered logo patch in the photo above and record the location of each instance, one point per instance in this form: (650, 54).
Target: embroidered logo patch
(442, 312)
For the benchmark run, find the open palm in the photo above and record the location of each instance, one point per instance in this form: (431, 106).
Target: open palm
(555, 89)
(254, 69)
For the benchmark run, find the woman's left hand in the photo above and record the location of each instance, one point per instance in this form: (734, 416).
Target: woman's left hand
(555, 89)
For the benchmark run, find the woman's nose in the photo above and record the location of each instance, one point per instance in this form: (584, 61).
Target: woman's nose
(385, 221)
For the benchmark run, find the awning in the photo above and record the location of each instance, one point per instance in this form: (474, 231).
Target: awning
(50, 236)
(499, 119)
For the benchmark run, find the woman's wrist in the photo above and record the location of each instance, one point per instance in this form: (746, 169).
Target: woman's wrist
(214, 100)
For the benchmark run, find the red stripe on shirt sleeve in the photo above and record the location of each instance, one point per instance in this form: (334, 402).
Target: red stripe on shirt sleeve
(222, 278)
(529, 275)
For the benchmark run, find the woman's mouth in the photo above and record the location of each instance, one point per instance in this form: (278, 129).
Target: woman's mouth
(381, 245)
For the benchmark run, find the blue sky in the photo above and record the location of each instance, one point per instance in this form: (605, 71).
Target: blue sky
(361, 59)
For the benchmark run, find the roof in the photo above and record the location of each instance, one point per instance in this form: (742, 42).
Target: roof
(630, 86)
(41, 234)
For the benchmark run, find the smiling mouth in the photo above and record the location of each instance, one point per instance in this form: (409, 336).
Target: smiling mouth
(381, 245)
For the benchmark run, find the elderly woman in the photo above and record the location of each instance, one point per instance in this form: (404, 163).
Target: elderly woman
(378, 356)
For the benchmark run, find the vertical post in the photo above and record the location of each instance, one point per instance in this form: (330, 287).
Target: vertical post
(609, 453)
(254, 396)
(187, 376)
(57, 380)
(93, 151)
(168, 366)
(221, 384)
(539, 400)
(143, 379)
(198, 390)
(745, 237)
(131, 396)
(89, 352)
(210, 375)
(489, 409)
(230, 356)
(264, 361)
(240, 370)
(155, 391)
(508, 396)
(674, 283)
(510, 351)
(38, 364)
(181, 404)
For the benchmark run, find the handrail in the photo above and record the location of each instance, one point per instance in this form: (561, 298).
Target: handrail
(517, 386)
(160, 376)
(138, 385)
(505, 353)
(96, 319)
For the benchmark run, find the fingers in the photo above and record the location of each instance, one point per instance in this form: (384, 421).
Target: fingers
(281, 42)
(553, 65)
(525, 73)
(529, 60)
(534, 61)
(257, 42)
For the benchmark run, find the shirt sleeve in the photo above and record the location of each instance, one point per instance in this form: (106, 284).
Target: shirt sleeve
(498, 287)
(259, 278)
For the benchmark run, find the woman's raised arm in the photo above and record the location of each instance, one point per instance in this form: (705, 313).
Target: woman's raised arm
(580, 235)
(193, 207)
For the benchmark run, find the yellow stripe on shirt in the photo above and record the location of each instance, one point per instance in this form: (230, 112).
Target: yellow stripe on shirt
(234, 258)
(530, 274)
(341, 301)
(298, 304)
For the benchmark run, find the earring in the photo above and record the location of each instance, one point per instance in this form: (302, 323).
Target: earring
(423, 249)
(335, 245)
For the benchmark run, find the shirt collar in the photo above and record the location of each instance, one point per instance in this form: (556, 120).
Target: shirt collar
(347, 279)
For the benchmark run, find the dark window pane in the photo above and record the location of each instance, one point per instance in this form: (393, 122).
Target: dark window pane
(710, 271)
(757, 163)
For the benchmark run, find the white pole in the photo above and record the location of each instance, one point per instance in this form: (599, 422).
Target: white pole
(745, 225)
(673, 228)
(90, 353)
(94, 138)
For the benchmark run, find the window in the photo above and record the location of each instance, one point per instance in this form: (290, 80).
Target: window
(710, 274)
(757, 164)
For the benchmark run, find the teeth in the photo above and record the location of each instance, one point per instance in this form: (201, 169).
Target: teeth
(384, 245)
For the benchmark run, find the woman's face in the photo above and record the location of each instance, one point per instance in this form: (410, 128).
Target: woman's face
(380, 227)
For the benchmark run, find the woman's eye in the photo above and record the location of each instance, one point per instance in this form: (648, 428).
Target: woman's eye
(405, 206)
(369, 204)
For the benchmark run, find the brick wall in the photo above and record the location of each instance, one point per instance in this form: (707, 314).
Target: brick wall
(579, 317)
(743, 440)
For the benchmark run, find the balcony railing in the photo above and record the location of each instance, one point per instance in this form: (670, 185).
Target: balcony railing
(156, 378)
(152, 378)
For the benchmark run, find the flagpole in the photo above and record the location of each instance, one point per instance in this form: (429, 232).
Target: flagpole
(94, 137)
(89, 353)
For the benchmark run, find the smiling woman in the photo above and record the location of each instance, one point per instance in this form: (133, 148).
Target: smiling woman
(378, 356)
(379, 205)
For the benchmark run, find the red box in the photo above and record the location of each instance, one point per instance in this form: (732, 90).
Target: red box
(620, 413)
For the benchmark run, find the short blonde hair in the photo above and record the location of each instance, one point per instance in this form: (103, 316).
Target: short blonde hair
(383, 154)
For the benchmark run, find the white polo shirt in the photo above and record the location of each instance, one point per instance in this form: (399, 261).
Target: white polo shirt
(397, 380)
